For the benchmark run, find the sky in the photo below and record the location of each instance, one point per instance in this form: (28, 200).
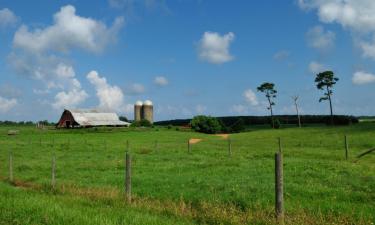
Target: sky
(189, 57)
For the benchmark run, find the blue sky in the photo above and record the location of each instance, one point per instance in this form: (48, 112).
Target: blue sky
(188, 56)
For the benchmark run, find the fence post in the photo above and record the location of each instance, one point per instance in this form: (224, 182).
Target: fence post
(280, 149)
(279, 192)
(128, 185)
(230, 146)
(189, 146)
(11, 178)
(53, 172)
(156, 145)
(346, 147)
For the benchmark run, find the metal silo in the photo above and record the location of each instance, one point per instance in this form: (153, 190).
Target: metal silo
(148, 111)
(138, 111)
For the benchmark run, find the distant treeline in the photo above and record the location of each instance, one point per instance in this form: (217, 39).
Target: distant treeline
(27, 123)
(263, 120)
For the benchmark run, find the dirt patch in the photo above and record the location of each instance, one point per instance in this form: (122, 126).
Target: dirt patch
(194, 140)
(223, 136)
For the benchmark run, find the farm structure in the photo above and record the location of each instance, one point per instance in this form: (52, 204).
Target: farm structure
(144, 111)
(88, 118)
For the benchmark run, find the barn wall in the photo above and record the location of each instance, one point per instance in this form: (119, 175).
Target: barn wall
(66, 116)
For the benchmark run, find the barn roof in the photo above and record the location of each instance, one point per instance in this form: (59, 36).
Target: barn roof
(93, 117)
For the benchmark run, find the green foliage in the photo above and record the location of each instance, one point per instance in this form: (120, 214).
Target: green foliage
(206, 124)
(123, 118)
(277, 124)
(239, 126)
(269, 90)
(141, 123)
(325, 81)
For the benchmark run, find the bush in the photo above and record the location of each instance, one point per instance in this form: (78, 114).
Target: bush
(342, 120)
(206, 124)
(238, 126)
(141, 123)
(277, 123)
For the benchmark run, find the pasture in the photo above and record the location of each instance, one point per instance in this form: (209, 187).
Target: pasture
(172, 186)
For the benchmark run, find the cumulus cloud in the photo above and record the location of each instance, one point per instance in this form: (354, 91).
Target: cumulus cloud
(315, 67)
(68, 31)
(161, 81)
(355, 15)
(361, 78)
(110, 97)
(7, 18)
(214, 48)
(69, 99)
(320, 39)
(41, 53)
(7, 104)
(250, 97)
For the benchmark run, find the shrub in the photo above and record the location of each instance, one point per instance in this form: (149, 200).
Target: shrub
(238, 126)
(141, 123)
(206, 124)
(277, 123)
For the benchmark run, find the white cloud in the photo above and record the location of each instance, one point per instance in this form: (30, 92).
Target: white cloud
(110, 97)
(320, 39)
(315, 67)
(250, 97)
(355, 15)
(68, 31)
(161, 81)
(214, 48)
(361, 77)
(69, 99)
(7, 18)
(7, 104)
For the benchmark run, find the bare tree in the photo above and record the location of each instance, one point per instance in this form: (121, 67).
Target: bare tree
(295, 99)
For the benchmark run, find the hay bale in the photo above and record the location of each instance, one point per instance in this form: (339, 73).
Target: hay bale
(13, 132)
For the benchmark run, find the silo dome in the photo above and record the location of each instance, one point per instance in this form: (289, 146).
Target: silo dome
(139, 103)
(147, 102)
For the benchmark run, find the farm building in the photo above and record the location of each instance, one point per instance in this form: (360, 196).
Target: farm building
(89, 118)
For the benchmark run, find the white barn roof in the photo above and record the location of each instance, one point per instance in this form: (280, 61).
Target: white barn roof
(96, 118)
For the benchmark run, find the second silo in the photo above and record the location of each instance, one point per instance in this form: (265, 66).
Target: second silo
(138, 111)
(148, 111)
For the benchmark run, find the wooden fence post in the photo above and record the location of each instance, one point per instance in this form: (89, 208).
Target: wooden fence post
(189, 146)
(346, 147)
(11, 178)
(128, 184)
(230, 146)
(279, 192)
(53, 172)
(156, 145)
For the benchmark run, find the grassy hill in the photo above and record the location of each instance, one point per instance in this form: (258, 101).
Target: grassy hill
(171, 186)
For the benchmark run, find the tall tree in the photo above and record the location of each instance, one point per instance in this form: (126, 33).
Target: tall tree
(269, 90)
(325, 81)
(295, 99)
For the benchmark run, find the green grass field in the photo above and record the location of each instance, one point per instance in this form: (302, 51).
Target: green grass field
(171, 186)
